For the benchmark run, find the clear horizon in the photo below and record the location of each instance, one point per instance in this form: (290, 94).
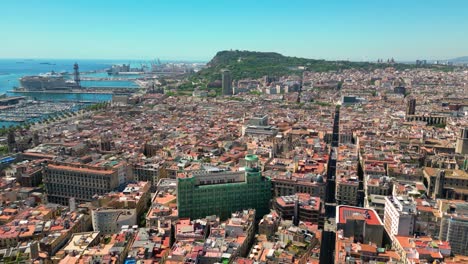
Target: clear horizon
(197, 60)
(108, 59)
(186, 31)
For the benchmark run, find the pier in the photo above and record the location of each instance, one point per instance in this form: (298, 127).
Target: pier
(114, 79)
(11, 100)
(87, 90)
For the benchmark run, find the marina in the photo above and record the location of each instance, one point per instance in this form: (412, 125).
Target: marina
(49, 87)
(37, 110)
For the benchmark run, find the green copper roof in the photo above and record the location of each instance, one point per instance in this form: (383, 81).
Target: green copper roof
(251, 157)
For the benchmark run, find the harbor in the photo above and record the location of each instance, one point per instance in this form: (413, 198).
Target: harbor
(42, 96)
(37, 95)
(88, 90)
(28, 110)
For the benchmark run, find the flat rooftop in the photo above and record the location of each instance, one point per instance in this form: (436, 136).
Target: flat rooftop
(345, 212)
(78, 169)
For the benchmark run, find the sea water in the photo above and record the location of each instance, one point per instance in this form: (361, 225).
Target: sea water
(11, 70)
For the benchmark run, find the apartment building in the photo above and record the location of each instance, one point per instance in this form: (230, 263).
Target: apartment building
(361, 223)
(299, 207)
(400, 215)
(454, 226)
(289, 185)
(117, 209)
(66, 180)
(347, 179)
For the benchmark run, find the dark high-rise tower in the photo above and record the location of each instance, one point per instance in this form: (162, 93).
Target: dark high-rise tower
(227, 82)
(76, 74)
(411, 107)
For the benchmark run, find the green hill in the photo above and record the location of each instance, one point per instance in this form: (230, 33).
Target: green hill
(251, 64)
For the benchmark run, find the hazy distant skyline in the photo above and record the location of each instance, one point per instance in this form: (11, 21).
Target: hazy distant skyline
(196, 30)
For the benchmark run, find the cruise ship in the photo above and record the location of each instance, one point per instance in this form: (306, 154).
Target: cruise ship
(46, 82)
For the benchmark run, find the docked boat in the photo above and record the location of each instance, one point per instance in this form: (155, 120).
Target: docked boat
(46, 82)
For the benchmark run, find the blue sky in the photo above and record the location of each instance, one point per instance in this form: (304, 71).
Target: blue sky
(172, 29)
